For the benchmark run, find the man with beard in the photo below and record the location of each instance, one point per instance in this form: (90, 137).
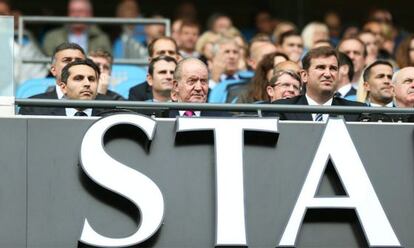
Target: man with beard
(377, 83)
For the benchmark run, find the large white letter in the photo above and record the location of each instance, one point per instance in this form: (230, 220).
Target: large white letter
(117, 177)
(228, 133)
(337, 145)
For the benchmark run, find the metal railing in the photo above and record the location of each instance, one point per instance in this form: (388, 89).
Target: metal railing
(92, 20)
(213, 106)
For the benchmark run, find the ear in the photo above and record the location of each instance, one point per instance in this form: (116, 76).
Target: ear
(270, 92)
(251, 63)
(304, 76)
(343, 70)
(53, 70)
(366, 86)
(149, 79)
(63, 87)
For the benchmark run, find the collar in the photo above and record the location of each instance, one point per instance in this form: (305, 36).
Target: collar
(313, 103)
(59, 92)
(390, 105)
(223, 77)
(196, 113)
(344, 89)
(72, 111)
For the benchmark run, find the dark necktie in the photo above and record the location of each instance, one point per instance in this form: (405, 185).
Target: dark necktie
(230, 77)
(80, 113)
(189, 113)
(319, 117)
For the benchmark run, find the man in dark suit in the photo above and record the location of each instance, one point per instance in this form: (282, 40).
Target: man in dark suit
(190, 85)
(160, 46)
(78, 81)
(320, 77)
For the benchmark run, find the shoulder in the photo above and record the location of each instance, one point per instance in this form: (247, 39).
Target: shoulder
(341, 101)
(46, 95)
(293, 100)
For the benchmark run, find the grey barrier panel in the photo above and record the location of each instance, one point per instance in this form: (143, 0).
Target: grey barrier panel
(13, 183)
(60, 195)
(6, 59)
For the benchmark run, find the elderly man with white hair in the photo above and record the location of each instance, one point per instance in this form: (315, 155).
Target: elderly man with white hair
(403, 82)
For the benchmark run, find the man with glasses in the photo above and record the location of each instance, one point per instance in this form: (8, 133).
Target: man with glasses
(284, 84)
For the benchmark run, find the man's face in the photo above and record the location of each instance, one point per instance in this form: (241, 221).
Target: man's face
(4, 9)
(104, 65)
(370, 43)
(230, 53)
(379, 84)
(63, 58)
(188, 38)
(162, 78)
(79, 8)
(321, 77)
(193, 85)
(285, 87)
(154, 31)
(355, 51)
(293, 47)
(222, 24)
(82, 83)
(164, 47)
(404, 86)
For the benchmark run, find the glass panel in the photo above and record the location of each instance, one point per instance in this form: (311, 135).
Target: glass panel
(6, 57)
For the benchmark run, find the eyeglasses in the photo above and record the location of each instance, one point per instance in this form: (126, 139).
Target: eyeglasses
(287, 85)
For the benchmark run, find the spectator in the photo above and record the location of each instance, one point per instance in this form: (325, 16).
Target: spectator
(313, 32)
(403, 81)
(130, 44)
(160, 77)
(284, 84)
(371, 45)
(405, 52)
(78, 81)
(356, 51)
(320, 74)
(282, 27)
(89, 37)
(225, 62)
(158, 47)
(187, 38)
(104, 60)
(345, 74)
(257, 50)
(191, 86)
(256, 88)
(265, 24)
(219, 23)
(377, 84)
(291, 44)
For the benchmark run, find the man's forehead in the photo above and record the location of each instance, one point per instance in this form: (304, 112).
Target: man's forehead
(406, 73)
(164, 44)
(324, 60)
(351, 44)
(164, 64)
(195, 70)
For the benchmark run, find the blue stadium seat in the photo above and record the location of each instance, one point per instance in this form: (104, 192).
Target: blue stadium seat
(123, 87)
(219, 93)
(34, 86)
(122, 73)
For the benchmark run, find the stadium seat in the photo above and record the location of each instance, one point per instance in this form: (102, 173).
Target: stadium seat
(123, 87)
(121, 73)
(219, 93)
(34, 86)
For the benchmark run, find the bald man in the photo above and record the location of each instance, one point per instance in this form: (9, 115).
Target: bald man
(403, 82)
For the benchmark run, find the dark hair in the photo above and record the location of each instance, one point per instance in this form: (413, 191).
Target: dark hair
(402, 55)
(287, 34)
(88, 62)
(318, 52)
(345, 60)
(256, 89)
(190, 23)
(364, 53)
(151, 45)
(160, 58)
(100, 53)
(67, 46)
(367, 71)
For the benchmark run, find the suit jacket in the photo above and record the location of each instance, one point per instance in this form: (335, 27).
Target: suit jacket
(174, 113)
(35, 110)
(97, 39)
(301, 100)
(140, 92)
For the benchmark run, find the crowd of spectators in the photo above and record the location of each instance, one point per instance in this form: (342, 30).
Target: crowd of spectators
(324, 63)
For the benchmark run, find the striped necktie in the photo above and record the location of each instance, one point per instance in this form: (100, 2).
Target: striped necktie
(319, 117)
